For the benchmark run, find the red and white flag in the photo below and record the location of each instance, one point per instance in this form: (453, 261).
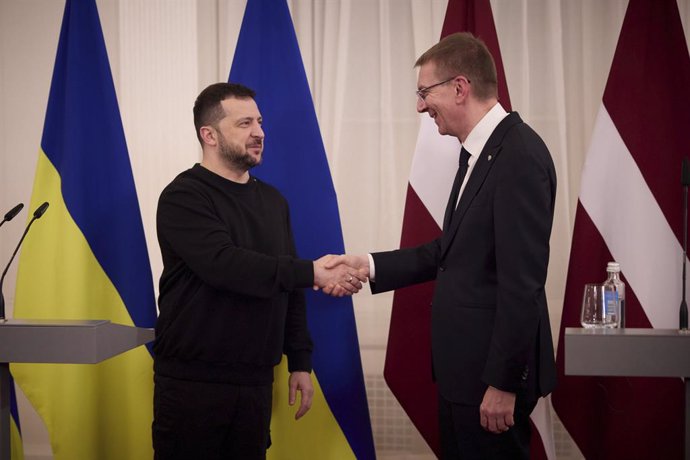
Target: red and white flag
(408, 358)
(630, 211)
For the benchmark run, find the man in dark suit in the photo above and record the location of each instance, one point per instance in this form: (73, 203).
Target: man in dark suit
(491, 339)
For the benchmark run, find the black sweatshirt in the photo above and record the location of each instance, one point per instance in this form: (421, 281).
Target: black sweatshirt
(230, 294)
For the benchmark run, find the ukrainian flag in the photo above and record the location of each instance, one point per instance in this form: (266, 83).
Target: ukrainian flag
(16, 447)
(87, 259)
(267, 59)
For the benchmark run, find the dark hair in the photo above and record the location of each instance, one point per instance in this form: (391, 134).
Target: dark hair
(207, 107)
(464, 54)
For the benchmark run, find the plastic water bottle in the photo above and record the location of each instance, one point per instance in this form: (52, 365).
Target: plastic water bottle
(614, 297)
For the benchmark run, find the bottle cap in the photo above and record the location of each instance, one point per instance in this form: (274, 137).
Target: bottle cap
(613, 267)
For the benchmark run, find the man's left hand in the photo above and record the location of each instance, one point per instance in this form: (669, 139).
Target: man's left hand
(300, 381)
(496, 410)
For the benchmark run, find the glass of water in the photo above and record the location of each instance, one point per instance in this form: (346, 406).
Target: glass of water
(596, 313)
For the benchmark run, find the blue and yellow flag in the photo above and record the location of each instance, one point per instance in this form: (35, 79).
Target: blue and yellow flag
(87, 259)
(16, 446)
(268, 60)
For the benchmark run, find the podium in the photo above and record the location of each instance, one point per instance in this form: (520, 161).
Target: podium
(56, 341)
(631, 353)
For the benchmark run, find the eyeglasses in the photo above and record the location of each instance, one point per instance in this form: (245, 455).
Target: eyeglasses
(422, 93)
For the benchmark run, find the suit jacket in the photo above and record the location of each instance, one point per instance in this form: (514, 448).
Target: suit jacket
(490, 322)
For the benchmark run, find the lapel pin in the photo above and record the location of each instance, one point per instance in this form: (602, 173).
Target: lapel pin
(489, 158)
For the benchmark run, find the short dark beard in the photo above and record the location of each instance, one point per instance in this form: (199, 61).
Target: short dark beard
(235, 157)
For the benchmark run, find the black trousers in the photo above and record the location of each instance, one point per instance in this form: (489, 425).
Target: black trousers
(210, 421)
(463, 438)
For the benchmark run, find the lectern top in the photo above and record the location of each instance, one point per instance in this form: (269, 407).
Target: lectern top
(61, 341)
(52, 322)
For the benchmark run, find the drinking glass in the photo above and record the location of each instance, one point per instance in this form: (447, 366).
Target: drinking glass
(594, 307)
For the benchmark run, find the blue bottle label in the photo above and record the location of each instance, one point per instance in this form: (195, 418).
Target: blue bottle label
(611, 299)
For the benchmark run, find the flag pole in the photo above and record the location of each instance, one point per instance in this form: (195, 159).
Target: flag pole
(685, 181)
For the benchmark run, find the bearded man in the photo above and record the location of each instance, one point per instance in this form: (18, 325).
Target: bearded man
(231, 300)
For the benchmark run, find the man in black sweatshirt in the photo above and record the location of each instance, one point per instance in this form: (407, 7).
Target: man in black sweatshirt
(231, 300)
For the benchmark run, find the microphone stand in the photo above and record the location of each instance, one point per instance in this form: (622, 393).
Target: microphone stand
(685, 181)
(2, 279)
(37, 214)
(5, 366)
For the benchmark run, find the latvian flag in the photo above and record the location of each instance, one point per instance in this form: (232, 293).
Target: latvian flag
(630, 211)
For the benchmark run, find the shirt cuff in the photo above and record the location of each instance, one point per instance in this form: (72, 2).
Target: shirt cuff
(299, 361)
(372, 268)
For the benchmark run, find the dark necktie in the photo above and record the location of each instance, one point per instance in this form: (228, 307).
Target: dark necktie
(455, 191)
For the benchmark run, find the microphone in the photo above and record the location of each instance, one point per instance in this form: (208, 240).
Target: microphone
(40, 210)
(685, 182)
(37, 215)
(11, 213)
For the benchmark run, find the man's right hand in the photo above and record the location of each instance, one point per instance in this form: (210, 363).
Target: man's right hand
(336, 277)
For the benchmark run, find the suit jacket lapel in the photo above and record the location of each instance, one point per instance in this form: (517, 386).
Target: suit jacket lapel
(481, 169)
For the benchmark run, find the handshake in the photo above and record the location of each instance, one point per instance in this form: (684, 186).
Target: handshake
(341, 275)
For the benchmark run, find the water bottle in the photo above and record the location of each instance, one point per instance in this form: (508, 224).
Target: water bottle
(614, 297)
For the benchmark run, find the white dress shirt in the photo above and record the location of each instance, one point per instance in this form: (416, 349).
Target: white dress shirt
(477, 138)
(474, 144)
